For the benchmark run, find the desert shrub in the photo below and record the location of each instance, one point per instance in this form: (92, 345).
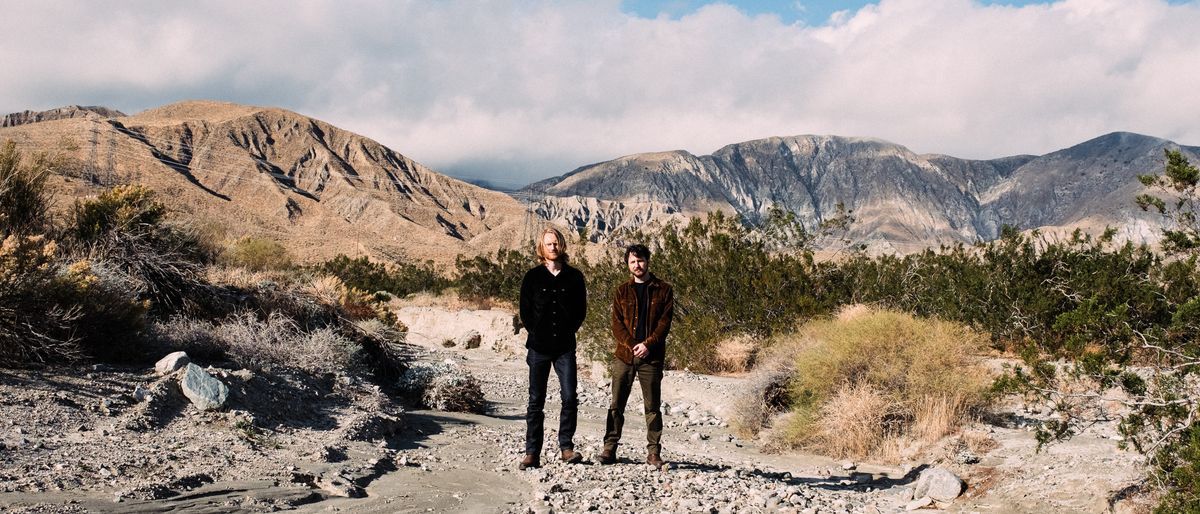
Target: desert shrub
(24, 200)
(257, 254)
(483, 277)
(197, 337)
(400, 279)
(765, 394)
(1179, 471)
(54, 312)
(443, 386)
(881, 375)
(122, 209)
(126, 228)
(111, 315)
(384, 347)
(34, 327)
(277, 341)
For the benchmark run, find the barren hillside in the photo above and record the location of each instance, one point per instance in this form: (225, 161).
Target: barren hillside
(266, 172)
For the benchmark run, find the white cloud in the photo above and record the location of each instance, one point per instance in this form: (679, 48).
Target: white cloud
(539, 88)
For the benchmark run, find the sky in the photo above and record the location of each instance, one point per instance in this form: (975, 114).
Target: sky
(512, 92)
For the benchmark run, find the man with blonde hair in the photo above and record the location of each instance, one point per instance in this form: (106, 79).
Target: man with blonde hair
(553, 306)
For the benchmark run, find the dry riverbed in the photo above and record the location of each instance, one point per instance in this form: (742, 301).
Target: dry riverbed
(77, 440)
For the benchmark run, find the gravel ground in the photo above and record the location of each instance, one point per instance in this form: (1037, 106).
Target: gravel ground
(77, 440)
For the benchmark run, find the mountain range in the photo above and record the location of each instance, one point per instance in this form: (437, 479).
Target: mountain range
(900, 200)
(320, 190)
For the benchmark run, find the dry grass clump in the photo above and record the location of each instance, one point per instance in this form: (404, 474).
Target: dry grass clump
(260, 344)
(854, 422)
(866, 384)
(735, 354)
(443, 386)
(256, 254)
(279, 341)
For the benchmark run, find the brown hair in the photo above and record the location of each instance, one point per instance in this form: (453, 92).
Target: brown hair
(562, 244)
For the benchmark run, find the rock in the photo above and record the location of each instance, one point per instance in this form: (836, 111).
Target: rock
(171, 363)
(939, 484)
(338, 486)
(140, 393)
(919, 503)
(205, 392)
(848, 465)
(469, 340)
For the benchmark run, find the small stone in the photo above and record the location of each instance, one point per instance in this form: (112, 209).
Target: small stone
(849, 466)
(140, 393)
(919, 503)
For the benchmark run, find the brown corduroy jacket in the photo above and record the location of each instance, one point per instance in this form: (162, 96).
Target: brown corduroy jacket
(624, 319)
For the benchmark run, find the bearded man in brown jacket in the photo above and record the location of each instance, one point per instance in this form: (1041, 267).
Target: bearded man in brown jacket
(641, 319)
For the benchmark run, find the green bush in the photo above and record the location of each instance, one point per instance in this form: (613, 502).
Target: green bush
(128, 209)
(400, 279)
(1179, 467)
(257, 254)
(51, 312)
(482, 277)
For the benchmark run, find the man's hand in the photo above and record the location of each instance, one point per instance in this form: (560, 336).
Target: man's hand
(640, 351)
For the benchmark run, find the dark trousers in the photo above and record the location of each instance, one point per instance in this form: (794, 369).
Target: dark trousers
(649, 376)
(539, 375)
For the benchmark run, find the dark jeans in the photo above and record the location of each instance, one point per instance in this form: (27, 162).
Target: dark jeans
(650, 377)
(539, 375)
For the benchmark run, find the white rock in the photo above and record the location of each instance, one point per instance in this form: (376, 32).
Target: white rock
(171, 362)
(918, 503)
(939, 484)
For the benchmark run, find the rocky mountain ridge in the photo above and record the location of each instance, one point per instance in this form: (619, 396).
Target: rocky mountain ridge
(60, 113)
(900, 200)
(320, 190)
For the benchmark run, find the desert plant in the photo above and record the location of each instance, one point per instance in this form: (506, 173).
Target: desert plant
(483, 277)
(278, 341)
(51, 311)
(860, 381)
(24, 200)
(257, 254)
(443, 386)
(34, 327)
(400, 279)
(125, 227)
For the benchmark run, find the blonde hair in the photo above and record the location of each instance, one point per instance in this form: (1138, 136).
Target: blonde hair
(562, 244)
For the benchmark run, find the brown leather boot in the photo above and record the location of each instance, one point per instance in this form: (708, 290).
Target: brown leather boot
(608, 456)
(530, 461)
(571, 456)
(654, 460)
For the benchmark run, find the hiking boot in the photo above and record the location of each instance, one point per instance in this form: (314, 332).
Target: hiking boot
(530, 461)
(654, 460)
(608, 456)
(571, 456)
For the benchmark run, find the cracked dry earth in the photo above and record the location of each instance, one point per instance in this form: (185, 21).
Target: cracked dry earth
(77, 441)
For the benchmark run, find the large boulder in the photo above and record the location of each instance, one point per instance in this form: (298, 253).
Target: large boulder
(204, 390)
(939, 484)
